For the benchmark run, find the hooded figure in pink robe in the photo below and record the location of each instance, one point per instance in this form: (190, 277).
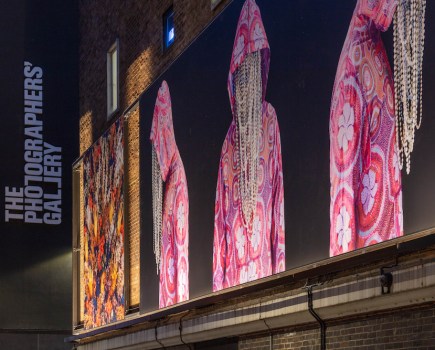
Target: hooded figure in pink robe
(174, 245)
(248, 248)
(366, 189)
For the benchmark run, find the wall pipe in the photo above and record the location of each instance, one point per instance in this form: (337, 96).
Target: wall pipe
(155, 333)
(180, 328)
(317, 317)
(270, 334)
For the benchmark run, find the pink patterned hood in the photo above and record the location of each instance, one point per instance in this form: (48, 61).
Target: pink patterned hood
(366, 189)
(174, 265)
(162, 130)
(379, 11)
(250, 37)
(242, 254)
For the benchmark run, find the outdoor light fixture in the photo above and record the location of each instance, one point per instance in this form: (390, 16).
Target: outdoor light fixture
(171, 35)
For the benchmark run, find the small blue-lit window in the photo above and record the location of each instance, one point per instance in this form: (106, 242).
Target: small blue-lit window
(168, 28)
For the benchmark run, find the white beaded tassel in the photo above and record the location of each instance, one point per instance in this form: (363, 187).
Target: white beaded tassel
(248, 110)
(409, 23)
(157, 189)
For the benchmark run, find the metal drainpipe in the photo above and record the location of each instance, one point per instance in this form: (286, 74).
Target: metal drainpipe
(180, 328)
(317, 317)
(155, 334)
(270, 335)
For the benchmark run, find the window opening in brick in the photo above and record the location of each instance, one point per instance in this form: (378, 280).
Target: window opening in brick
(168, 28)
(112, 79)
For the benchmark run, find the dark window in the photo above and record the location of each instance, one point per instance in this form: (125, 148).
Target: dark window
(112, 79)
(168, 28)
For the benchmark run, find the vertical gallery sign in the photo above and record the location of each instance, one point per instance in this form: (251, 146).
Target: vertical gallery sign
(38, 142)
(39, 200)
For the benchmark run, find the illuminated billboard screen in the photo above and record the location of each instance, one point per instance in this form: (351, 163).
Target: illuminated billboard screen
(285, 124)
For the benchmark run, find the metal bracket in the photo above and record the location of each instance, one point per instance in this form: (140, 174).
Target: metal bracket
(386, 278)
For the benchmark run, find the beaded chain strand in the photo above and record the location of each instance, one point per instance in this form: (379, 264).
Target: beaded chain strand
(248, 105)
(157, 189)
(409, 32)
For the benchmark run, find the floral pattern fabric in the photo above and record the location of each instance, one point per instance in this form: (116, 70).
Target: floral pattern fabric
(241, 255)
(174, 265)
(103, 250)
(366, 190)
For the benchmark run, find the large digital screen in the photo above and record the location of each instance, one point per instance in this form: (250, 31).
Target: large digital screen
(283, 116)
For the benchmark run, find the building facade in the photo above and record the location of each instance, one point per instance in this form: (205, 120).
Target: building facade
(378, 297)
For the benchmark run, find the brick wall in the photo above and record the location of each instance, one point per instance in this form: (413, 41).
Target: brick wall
(405, 329)
(137, 24)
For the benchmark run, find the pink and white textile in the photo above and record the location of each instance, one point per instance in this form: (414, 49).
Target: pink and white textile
(174, 265)
(241, 254)
(366, 189)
